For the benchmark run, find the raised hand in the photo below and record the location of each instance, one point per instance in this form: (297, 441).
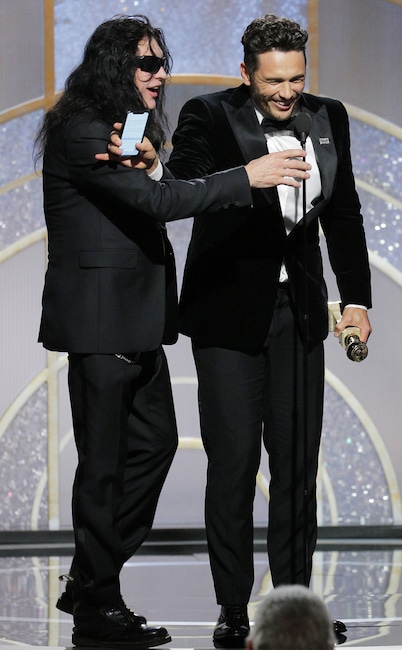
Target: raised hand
(146, 159)
(280, 168)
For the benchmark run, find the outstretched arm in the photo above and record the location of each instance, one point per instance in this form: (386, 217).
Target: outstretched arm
(268, 171)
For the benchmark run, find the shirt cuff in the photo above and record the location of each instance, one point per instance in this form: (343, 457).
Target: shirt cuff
(357, 306)
(157, 174)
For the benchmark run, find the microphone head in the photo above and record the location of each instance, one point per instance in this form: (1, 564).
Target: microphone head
(302, 125)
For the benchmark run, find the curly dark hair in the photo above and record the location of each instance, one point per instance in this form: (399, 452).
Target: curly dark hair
(271, 32)
(102, 85)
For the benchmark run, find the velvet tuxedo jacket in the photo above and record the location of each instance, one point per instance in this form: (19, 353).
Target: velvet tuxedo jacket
(233, 264)
(110, 285)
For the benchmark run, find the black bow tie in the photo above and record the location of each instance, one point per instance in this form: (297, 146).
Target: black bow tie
(269, 125)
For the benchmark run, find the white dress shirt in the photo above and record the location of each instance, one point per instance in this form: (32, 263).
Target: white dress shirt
(291, 198)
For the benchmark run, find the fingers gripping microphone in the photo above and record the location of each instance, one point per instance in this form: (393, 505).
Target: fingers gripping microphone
(302, 126)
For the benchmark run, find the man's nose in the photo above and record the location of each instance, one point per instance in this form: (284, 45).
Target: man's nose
(161, 74)
(285, 90)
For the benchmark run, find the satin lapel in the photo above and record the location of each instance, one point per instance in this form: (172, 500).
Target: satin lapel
(324, 146)
(246, 129)
(327, 160)
(250, 138)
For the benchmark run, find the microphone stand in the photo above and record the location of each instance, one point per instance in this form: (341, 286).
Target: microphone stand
(305, 384)
(302, 128)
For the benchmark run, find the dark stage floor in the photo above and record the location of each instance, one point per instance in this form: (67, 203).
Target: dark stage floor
(169, 582)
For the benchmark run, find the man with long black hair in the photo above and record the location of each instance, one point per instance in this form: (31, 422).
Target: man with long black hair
(110, 301)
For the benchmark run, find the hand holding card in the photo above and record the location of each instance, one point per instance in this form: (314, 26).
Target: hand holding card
(133, 132)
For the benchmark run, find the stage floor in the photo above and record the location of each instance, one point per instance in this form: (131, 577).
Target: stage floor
(171, 585)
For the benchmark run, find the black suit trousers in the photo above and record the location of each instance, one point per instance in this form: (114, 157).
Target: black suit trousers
(245, 398)
(126, 437)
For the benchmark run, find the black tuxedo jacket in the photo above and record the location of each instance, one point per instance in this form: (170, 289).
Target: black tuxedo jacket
(111, 285)
(233, 264)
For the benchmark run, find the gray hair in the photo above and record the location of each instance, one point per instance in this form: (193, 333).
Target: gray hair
(292, 617)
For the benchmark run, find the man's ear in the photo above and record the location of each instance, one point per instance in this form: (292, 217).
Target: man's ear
(249, 644)
(245, 74)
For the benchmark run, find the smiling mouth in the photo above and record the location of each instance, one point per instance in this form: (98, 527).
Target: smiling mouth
(284, 105)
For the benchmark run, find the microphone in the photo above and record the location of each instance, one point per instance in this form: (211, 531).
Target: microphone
(356, 350)
(302, 126)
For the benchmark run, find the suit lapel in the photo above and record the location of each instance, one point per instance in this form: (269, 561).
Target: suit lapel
(246, 129)
(327, 159)
(243, 121)
(325, 151)
(248, 133)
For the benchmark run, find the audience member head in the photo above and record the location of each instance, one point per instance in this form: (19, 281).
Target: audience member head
(291, 617)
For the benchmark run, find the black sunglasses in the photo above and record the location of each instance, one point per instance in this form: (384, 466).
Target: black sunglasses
(150, 63)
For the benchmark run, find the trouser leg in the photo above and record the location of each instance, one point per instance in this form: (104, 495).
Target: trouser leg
(152, 443)
(231, 401)
(126, 436)
(237, 392)
(292, 449)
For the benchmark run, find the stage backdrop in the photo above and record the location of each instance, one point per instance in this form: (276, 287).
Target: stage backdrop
(354, 54)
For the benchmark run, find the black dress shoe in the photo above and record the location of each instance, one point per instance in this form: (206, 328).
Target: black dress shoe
(340, 639)
(66, 601)
(232, 627)
(114, 627)
(339, 627)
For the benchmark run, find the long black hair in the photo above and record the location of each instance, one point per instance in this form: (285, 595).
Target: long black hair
(102, 86)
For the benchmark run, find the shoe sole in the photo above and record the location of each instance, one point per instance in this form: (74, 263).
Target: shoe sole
(89, 642)
(232, 641)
